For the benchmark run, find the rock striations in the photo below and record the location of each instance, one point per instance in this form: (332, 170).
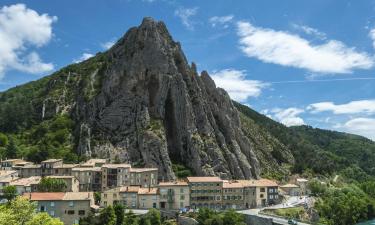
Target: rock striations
(142, 103)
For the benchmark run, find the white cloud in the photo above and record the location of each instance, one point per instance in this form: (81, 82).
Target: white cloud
(20, 29)
(310, 31)
(107, 45)
(353, 107)
(360, 126)
(185, 15)
(221, 20)
(288, 117)
(83, 57)
(236, 84)
(288, 49)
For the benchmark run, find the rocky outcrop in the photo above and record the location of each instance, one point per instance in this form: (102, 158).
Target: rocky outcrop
(154, 109)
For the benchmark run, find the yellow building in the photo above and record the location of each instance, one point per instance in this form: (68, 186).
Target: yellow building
(174, 195)
(205, 192)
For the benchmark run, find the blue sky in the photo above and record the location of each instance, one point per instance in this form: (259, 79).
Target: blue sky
(298, 62)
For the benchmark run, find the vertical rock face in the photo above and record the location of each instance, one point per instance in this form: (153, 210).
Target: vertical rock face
(154, 109)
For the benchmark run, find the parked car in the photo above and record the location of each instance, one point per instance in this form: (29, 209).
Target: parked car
(292, 222)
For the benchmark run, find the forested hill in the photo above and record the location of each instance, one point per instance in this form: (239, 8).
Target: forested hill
(321, 151)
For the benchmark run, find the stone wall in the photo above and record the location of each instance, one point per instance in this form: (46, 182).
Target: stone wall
(256, 220)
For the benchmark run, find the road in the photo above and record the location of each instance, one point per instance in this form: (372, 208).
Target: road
(275, 219)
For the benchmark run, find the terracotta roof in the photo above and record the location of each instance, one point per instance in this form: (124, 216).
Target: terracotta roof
(40, 196)
(140, 170)
(116, 165)
(26, 181)
(96, 169)
(7, 179)
(232, 184)
(204, 179)
(258, 183)
(174, 183)
(56, 196)
(289, 186)
(51, 160)
(129, 189)
(147, 191)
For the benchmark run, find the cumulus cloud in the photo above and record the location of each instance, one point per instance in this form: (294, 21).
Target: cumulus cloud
(288, 49)
(236, 84)
(310, 31)
(185, 15)
(221, 21)
(361, 126)
(353, 107)
(20, 29)
(288, 117)
(83, 57)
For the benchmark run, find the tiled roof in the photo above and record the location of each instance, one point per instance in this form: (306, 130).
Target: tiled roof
(123, 165)
(232, 184)
(129, 189)
(204, 179)
(140, 170)
(173, 183)
(56, 196)
(258, 183)
(13, 160)
(40, 196)
(61, 177)
(32, 166)
(26, 181)
(96, 169)
(51, 160)
(147, 191)
(7, 172)
(66, 166)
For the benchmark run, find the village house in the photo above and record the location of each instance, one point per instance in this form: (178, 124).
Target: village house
(69, 207)
(205, 192)
(174, 195)
(145, 177)
(7, 176)
(133, 197)
(24, 185)
(115, 175)
(90, 178)
(9, 163)
(233, 195)
(72, 183)
(31, 170)
(48, 166)
(63, 169)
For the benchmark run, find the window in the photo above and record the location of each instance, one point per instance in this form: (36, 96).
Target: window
(105, 195)
(81, 212)
(71, 203)
(181, 190)
(42, 208)
(271, 196)
(182, 197)
(70, 212)
(261, 195)
(105, 203)
(181, 205)
(52, 204)
(115, 195)
(52, 213)
(262, 189)
(271, 190)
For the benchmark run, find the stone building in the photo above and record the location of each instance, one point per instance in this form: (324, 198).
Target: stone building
(47, 166)
(205, 192)
(90, 178)
(174, 195)
(233, 195)
(69, 207)
(25, 185)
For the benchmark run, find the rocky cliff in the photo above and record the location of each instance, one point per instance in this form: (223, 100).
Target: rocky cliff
(141, 102)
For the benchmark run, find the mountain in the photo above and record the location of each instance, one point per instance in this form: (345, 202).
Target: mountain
(140, 102)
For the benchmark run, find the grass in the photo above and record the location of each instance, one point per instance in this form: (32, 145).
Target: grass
(295, 212)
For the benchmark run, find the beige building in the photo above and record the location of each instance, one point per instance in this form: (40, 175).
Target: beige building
(94, 163)
(69, 207)
(115, 175)
(72, 183)
(174, 195)
(9, 163)
(90, 178)
(233, 195)
(64, 169)
(302, 183)
(24, 185)
(144, 177)
(7, 176)
(47, 166)
(133, 197)
(205, 192)
(31, 170)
